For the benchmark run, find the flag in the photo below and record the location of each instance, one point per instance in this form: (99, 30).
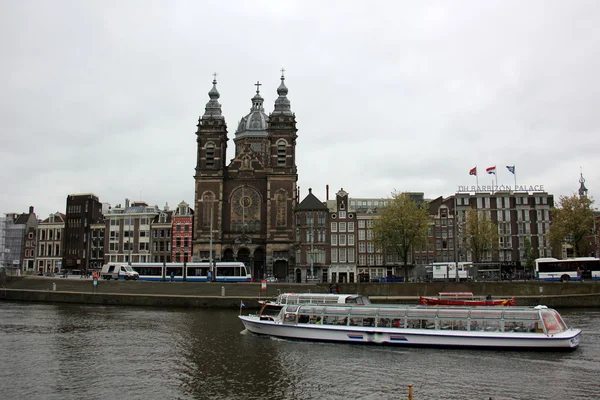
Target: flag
(511, 169)
(491, 170)
(473, 171)
(242, 305)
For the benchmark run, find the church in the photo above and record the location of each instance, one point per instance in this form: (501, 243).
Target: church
(244, 208)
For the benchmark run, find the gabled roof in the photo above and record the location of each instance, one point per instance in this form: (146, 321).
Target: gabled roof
(311, 203)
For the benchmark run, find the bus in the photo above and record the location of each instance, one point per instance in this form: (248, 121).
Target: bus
(193, 272)
(572, 269)
(446, 271)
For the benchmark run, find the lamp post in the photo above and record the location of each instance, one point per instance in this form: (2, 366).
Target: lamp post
(595, 233)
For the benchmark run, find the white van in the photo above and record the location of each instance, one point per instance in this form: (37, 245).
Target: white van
(117, 271)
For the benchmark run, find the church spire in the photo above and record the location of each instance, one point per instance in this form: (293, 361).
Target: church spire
(213, 108)
(282, 104)
(582, 189)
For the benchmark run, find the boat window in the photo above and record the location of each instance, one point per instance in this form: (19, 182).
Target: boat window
(337, 310)
(383, 322)
(485, 325)
(481, 314)
(336, 320)
(521, 314)
(291, 308)
(290, 318)
(422, 312)
(452, 324)
(364, 311)
(553, 322)
(449, 313)
(392, 312)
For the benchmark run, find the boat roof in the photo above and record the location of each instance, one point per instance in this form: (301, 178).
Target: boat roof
(319, 298)
(401, 311)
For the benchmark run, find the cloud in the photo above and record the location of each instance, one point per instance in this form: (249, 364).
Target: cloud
(104, 97)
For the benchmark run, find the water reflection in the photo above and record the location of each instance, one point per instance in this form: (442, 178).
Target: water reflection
(73, 352)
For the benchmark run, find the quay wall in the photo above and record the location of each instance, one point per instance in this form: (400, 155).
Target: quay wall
(217, 295)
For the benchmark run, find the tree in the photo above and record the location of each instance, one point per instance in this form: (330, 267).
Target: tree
(401, 226)
(481, 234)
(571, 222)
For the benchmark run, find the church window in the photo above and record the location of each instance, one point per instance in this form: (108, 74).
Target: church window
(210, 155)
(208, 200)
(281, 209)
(281, 153)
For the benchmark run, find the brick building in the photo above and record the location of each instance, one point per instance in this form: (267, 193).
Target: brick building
(244, 209)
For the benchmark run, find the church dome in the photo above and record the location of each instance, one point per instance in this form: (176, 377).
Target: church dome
(255, 123)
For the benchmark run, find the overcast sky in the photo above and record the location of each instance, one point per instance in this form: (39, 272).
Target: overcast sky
(104, 96)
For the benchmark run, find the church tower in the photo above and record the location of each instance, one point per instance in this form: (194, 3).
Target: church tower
(244, 210)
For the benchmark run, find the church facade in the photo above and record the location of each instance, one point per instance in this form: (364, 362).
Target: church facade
(244, 208)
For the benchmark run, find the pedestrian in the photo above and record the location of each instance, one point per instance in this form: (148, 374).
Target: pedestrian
(338, 290)
(172, 276)
(331, 288)
(209, 276)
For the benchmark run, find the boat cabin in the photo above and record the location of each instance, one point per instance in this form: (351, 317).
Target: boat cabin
(538, 319)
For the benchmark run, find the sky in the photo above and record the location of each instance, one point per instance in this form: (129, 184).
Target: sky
(104, 96)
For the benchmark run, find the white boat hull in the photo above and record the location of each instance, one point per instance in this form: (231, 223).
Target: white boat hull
(567, 340)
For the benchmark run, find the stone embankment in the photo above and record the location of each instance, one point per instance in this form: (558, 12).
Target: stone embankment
(217, 295)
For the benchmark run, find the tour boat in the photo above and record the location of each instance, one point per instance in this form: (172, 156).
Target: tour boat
(312, 298)
(528, 328)
(465, 299)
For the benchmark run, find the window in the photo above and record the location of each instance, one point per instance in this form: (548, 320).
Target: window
(334, 240)
(342, 227)
(334, 227)
(350, 240)
(334, 255)
(342, 255)
(362, 247)
(361, 224)
(350, 256)
(342, 214)
(342, 240)
(361, 235)
(281, 144)
(281, 209)
(350, 226)
(321, 219)
(210, 155)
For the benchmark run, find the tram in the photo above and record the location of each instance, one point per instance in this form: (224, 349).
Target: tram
(193, 272)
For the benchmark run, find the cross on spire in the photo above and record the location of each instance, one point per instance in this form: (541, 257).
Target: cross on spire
(258, 85)
(282, 71)
(215, 76)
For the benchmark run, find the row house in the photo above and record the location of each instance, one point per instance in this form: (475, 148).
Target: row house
(342, 225)
(96, 249)
(312, 238)
(440, 244)
(182, 233)
(161, 236)
(19, 242)
(82, 211)
(50, 233)
(128, 236)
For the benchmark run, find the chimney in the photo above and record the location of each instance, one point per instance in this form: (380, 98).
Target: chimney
(30, 209)
(126, 203)
(326, 192)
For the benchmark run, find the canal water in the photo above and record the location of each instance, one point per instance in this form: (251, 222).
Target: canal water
(95, 352)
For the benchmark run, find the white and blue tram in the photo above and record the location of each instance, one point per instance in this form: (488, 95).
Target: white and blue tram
(193, 272)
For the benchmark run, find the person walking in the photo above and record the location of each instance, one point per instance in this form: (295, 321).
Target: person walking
(172, 276)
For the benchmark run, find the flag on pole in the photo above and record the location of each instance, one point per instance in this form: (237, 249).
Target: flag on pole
(491, 170)
(511, 169)
(242, 305)
(473, 171)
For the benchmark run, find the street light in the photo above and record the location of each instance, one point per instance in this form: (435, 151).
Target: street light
(595, 233)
